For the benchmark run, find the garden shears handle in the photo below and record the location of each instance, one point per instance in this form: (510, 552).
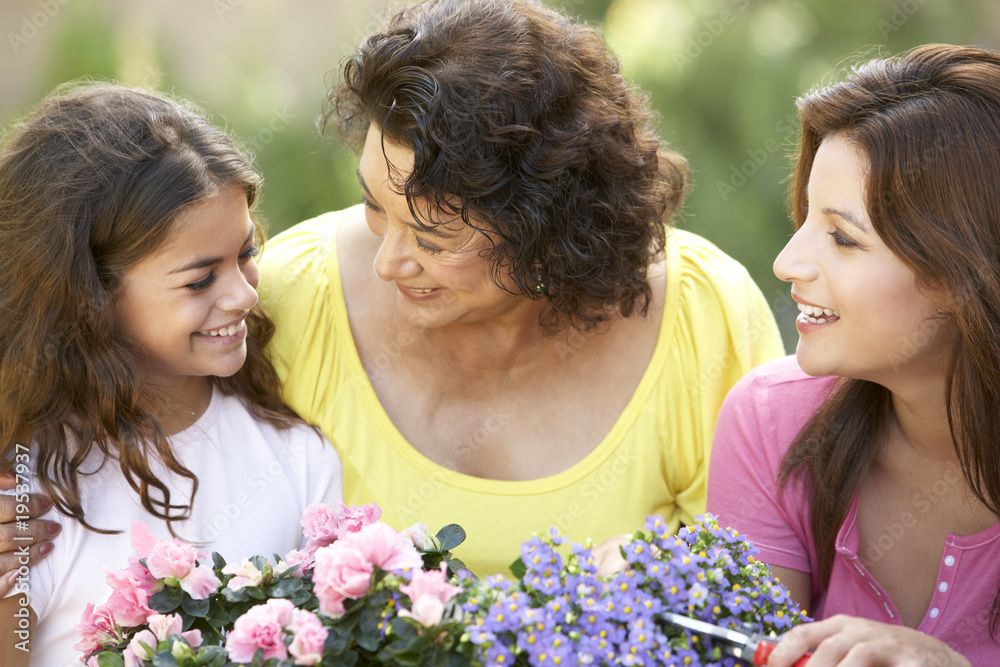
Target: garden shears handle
(763, 652)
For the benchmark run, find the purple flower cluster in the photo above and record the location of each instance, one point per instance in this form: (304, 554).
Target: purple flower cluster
(562, 613)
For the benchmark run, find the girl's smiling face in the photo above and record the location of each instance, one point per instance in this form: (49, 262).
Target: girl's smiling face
(442, 275)
(185, 304)
(862, 314)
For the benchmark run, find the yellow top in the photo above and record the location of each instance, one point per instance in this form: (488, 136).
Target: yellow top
(716, 326)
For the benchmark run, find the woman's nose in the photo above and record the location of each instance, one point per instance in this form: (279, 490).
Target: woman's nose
(794, 262)
(394, 258)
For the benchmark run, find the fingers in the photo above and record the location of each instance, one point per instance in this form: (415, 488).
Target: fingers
(608, 555)
(16, 538)
(809, 636)
(15, 565)
(21, 506)
(845, 641)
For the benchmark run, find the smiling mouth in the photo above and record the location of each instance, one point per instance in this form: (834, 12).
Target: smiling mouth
(223, 331)
(817, 315)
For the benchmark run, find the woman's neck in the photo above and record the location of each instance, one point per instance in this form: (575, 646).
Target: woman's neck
(920, 415)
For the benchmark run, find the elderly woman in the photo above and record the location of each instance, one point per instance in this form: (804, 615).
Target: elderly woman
(507, 333)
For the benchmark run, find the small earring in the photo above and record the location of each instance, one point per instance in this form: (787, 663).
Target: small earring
(540, 286)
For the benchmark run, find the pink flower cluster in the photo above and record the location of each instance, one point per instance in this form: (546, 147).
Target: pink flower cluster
(143, 644)
(265, 626)
(345, 548)
(170, 562)
(430, 592)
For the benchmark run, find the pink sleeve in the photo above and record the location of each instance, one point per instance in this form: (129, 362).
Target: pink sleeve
(759, 419)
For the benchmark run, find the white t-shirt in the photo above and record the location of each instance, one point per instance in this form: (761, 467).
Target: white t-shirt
(254, 483)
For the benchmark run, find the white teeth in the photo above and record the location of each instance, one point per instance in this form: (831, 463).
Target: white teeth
(818, 315)
(223, 331)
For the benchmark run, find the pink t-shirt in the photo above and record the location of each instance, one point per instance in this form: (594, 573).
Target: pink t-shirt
(759, 419)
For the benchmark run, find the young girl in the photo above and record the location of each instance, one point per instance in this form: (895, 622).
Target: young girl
(133, 379)
(867, 469)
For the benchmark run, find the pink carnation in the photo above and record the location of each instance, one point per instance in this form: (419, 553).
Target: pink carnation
(341, 573)
(142, 539)
(308, 637)
(304, 560)
(261, 627)
(162, 626)
(324, 524)
(129, 601)
(177, 562)
(384, 547)
(142, 647)
(343, 570)
(96, 627)
(200, 582)
(247, 574)
(430, 592)
(171, 559)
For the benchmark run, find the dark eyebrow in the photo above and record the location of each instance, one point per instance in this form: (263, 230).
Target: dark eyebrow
(434, 230)
(850, 217)
(210, 261)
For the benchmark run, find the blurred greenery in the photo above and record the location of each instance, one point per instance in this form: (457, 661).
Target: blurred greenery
(722, 74)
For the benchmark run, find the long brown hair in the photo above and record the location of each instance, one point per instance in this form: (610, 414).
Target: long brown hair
(929, 124)
(90, 183)
(519, 117)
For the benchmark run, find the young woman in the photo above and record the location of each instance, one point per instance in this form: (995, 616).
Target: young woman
(867, 468)
(134, 380)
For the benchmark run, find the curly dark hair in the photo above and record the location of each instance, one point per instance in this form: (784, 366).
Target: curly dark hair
(90, 183)
(522, 125)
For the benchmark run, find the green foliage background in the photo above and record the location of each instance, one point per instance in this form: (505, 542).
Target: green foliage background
(722, 74)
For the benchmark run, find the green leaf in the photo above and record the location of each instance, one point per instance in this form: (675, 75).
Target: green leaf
(196, 608)
(518, 569)
(218, 618)
(455, 566)
(235, 595)
(167, 600)
(283, 588)
(164, 659)
(218, 562)
(109, 659)
(451, 536)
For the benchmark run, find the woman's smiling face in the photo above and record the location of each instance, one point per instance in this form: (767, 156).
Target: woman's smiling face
(442, 275)
(862, 314)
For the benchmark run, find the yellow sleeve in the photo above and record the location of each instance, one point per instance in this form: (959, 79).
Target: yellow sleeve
(726, 328)
(299, 291)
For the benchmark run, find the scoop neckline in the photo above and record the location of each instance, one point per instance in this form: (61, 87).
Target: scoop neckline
(444, 475)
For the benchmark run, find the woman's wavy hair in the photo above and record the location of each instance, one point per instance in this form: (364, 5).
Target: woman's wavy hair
(90, 183)
(928, 122)
(522, 124)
